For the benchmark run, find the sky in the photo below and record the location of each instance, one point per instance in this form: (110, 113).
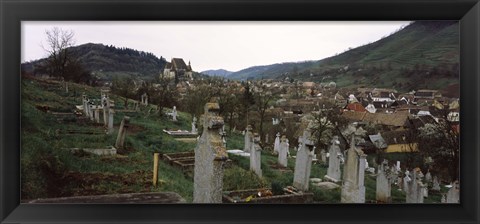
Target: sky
(215, 44)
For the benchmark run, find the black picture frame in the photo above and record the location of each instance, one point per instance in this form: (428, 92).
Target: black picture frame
(13, 12)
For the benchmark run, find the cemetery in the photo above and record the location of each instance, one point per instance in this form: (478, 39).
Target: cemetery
(104, 153)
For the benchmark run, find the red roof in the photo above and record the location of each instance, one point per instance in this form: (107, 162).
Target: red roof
(355, 107)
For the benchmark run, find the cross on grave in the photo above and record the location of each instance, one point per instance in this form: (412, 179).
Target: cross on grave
(303, 162)
(210, 157)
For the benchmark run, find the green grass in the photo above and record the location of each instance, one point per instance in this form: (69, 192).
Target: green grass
(48, 169)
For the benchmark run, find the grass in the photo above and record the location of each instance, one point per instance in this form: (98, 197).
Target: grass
(49, 169)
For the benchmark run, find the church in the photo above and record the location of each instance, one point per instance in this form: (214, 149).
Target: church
(177, 69)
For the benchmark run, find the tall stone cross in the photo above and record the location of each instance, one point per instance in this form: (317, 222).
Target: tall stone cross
(255, 156)
(248, 139)
(334, 173)
(210, 157)
(303, 162)
(384, 187)
(174, 113)
(353, 189)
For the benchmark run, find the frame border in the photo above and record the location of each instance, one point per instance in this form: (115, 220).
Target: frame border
(13, 12)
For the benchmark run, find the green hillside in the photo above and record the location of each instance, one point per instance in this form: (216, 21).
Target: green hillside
(105, 62)
(424, 54)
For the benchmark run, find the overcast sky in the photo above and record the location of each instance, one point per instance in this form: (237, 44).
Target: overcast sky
(214, 45)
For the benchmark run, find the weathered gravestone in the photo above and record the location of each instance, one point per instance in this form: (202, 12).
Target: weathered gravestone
(144, 99)
(174, 113)
(384, 187)
(413, 187)
(453, 195)
(111, 114)
(255, 156)
(333, 172)
(210, 157)
(276, 145)
(323, 155)
(303, 162)
(283, 152)
(353, 189)
(194, 127)
(248, 139)
(122, 132)
(436, 184)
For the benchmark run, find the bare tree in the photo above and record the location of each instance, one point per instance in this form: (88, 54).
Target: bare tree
(263, 98)
(59, 56)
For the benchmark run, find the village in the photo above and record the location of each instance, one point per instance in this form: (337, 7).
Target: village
(296, 141)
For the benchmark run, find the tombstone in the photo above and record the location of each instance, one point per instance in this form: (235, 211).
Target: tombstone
(384, 187)
(413, 187)
(323, 156)
(210, 158)
(283, 152)
(122, 132)
(144, 99)
(276, 145)
(194, 128)
(106, 107)
(174, 113)
(333, 172)
(287, 147)
(353, 189)
(266, 138)
(435, 184)
(111, 112)
(90, 112)
(97, 114)
(398, 166)
(453, 195)
(255, 156)
(84, 101)
(428, 177)
(248, 139)
(303, 162)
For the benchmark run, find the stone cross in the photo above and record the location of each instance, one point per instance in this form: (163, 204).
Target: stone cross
(248, 139)
(106, 107)
(436, 184)
(453, 195)
(303, 162)
(283, 152)
(174, 113)
(413, 187)
(111, 112)
(194, 128)
(210, 157)
(384, 187)
(333, 172)
(122, 132)
(353, 189)
(90, 112)
(255, 156)
(428, 177)
(276, 144)
(323, 156)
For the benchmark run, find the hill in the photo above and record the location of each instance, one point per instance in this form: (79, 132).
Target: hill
(425, 54)
(217, 72)
(107, 61)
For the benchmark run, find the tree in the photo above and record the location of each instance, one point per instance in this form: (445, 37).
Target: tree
(164, 94)
(441, 142)
(326, 122)
(58, 42)
(123, 86)
(262, 99)
(61, 62)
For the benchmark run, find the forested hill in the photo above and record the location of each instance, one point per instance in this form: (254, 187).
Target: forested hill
(424, 54)
(105, 62)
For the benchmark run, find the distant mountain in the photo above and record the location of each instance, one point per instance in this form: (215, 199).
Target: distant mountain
(217, 72)
(107, 61)
(424, 54)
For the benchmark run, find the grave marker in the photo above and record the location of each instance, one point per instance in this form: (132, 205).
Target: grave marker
(210, 157)
(353, 189)
(303, 162)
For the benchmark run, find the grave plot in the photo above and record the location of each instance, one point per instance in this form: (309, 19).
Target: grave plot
(265, 196)
(183, 160)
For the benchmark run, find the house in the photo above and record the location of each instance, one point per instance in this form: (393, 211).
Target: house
(426, 94)
(354, 107)
(383, 95)
(399, 141)
(177, 69)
